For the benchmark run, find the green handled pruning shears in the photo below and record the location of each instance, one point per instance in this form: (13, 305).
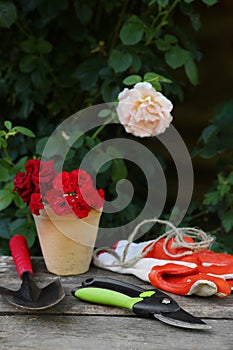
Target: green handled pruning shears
(144, 303)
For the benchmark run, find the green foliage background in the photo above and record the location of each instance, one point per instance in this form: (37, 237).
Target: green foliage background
(58, 57)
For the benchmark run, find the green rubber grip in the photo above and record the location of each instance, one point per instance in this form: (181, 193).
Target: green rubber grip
(106, 297)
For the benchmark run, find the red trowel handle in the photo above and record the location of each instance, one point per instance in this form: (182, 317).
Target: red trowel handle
(20, 254)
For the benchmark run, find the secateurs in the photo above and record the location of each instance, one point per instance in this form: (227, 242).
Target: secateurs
(151, 303)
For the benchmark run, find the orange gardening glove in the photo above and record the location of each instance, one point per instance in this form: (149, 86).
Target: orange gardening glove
(204, 273)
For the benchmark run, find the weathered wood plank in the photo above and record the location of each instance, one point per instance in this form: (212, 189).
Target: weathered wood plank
(45, 332)
(212, 307)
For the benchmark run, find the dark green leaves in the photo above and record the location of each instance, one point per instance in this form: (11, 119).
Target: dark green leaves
(132, 79)
(176, 56)
(8, 14)
(24, 131)
(210, 2)
(120, 61)
(132, 31)
(191, 71)
(150, 77)
(36, 45)
(6, 197)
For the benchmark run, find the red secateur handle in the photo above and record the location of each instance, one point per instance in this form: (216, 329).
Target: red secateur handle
(20, 254)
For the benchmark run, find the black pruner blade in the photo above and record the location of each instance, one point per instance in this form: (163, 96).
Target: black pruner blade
(182, 319)
(144, 303)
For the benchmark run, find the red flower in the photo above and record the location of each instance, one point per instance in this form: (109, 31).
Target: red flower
(94, 198)
(23, 185)
(36, 203)
(67, 192)
(57, 202)
(32, 169)
(64, 182)
(41, 173)
(81, 178)
(79, 207)
(47, 172)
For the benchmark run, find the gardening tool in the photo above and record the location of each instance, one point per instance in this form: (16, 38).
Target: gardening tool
(145, 303)
(29, 296)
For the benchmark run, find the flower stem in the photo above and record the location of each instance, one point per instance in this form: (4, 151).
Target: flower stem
(107, 121)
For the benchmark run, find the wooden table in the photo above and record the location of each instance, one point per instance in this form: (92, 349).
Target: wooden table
(73, 324)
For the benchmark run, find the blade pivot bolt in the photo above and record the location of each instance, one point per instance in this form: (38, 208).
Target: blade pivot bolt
(166, 301)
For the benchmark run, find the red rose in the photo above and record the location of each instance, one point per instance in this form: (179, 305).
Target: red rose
(23, 185)
(32, 169)
(64, 182)
(79, 207)
(47, 172)
(41, 172)
(81, 177)
(36, 203)
(94, 198)
(57, 202)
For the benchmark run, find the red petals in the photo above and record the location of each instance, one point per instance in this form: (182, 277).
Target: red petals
(66, 192)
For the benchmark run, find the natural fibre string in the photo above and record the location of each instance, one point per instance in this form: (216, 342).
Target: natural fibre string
(177, 233)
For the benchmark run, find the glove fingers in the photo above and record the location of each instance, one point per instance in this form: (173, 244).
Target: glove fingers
(183, 280)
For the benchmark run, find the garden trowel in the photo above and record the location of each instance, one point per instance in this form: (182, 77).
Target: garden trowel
(29, 296)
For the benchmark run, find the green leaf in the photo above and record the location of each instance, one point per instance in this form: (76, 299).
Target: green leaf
(120, 61)
(230, 178)
(156, 85)
(109, 91)
(119, 170)
(177, 57)
(6, 198)
(154, 77)
(104, 113)
(101, 162)
(28, 63)
(227, 220)
(137, 62)
(36, 45)
(4, 228)
(24, 131)
(223, 186)
(132, 31)
(8, 14)
(29, 45)
(113, 152)
(163, 3)
(191, 71)
(4, 173)
(83, 11)
(18, 202)
(44, 46)
(210, 2)
(8, 124)
(88, 72)
(90, 142)
(26, 108)
(3, 143)
(166, 43)
(132, 79)
(212, 198)
(209, 132)
(25, 228)
(196, 21)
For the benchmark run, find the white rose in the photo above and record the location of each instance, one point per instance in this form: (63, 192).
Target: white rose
(143, 111)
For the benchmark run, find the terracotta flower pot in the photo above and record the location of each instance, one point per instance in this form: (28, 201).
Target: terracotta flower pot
(66, 241)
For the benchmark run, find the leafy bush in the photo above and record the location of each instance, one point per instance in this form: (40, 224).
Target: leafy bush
(216, 143)
(58, 57)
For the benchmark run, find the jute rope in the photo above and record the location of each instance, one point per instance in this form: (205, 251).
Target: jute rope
(178, 234)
